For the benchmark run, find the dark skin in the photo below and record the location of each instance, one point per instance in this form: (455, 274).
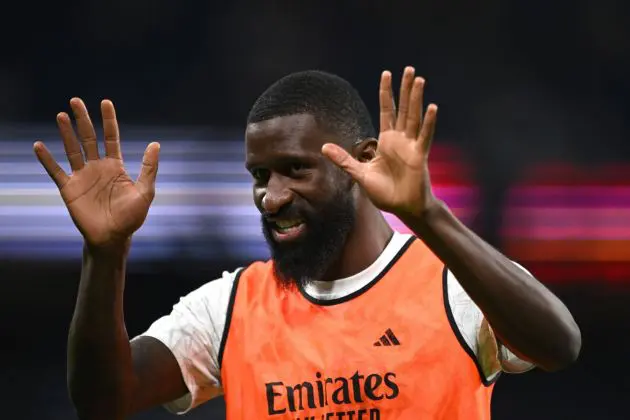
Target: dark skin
(285, 159)
(528, 318)
(110, 378)
(137, 375)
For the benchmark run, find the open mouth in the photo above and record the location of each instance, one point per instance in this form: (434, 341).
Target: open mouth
(287, 230)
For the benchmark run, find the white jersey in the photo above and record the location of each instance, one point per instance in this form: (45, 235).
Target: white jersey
(194, 329)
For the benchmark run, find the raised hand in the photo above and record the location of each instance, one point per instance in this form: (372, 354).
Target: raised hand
(397, 179)
(106, 205)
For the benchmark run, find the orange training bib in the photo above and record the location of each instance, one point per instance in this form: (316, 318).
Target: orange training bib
(387, 351)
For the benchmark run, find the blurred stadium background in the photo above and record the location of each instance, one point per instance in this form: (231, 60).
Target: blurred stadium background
(532, 152)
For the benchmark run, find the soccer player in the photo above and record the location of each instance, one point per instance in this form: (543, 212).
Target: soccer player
(348, 320)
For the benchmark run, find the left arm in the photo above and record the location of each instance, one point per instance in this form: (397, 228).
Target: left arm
(526, 316)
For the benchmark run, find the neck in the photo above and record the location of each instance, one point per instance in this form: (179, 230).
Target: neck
(364, 244)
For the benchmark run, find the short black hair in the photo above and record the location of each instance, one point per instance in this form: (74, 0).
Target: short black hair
(335, 104)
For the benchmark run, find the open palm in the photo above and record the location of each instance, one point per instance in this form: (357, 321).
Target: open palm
(397, 178)
(106, 205)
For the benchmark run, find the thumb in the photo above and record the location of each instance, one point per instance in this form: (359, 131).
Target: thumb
(146, 180)
(342, 159)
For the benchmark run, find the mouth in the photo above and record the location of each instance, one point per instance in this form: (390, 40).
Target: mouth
(287, 230)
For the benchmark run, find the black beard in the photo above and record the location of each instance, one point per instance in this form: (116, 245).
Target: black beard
(310, 257)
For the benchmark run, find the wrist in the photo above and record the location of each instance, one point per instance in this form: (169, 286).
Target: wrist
(423, 219)
(111, 251)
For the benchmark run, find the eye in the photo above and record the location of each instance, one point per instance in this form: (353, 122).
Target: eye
(297, 168)
(260, 175)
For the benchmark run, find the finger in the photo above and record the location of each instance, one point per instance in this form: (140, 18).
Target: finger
(403, 101)
(110, 130)
(59, 177)
(428, 129)
(414, 119)
(148, 172)
(70, 142)
(386, 102)
(342, 159)
(85, 129)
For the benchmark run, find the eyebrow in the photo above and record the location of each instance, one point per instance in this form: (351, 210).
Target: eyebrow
(286, 157)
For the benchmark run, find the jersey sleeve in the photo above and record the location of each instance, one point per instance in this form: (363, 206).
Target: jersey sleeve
(492, 356)
(193, 332)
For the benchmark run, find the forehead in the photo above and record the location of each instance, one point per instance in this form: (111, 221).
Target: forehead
(291, 135)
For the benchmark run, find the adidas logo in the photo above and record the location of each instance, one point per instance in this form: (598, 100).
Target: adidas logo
(387, 339)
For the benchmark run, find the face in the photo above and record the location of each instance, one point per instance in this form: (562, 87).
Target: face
(306, 203)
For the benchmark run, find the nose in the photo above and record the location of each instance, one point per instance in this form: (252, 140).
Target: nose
(277, 195)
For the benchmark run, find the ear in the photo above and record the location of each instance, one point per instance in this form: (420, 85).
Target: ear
(365, 151)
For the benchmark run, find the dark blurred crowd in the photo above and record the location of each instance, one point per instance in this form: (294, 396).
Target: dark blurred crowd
(518, 82)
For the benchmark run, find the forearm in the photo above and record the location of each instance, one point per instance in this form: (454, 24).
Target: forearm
(100, 372)
(529, 319)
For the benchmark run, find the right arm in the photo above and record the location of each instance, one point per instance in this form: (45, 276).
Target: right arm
(109, 378)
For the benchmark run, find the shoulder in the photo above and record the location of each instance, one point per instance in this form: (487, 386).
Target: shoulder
(476, 334)
(464, 313)
(200, 313)
(192, 332)
(213, 296)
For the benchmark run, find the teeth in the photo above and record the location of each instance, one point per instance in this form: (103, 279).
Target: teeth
(286, 224)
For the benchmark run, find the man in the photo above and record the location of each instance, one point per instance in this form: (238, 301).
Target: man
(348, 320)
